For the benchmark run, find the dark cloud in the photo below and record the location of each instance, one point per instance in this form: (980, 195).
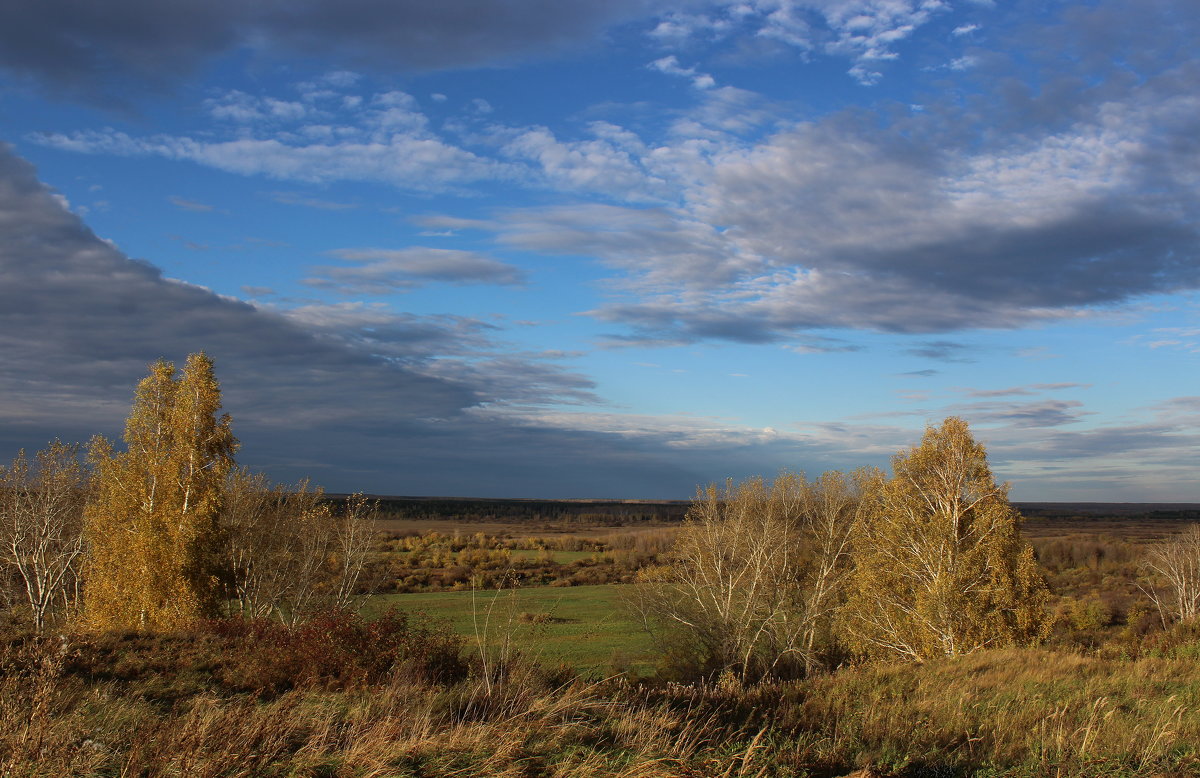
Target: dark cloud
(350, 394)
(1046, 413)
(78, 319)
(81, 46)
(384, 271)
(1180, 406)
(849, 224)
(819, 344)
(912, 239)
(1152, 444)
(1065, 183)
(1024, 391)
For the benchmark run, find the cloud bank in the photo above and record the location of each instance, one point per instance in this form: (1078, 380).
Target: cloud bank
(375, 400)
(77, 45)
(1014, 208)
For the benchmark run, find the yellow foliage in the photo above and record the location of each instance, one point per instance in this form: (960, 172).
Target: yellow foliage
(152, 527)
(940, 568)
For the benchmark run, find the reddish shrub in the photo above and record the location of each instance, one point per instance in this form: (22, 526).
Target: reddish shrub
(338, 650)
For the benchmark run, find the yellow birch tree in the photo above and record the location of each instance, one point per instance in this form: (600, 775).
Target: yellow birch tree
(940, 568)
(153, 526)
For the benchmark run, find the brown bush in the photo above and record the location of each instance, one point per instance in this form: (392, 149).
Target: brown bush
(338, 650)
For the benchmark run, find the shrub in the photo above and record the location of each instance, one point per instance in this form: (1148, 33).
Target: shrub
(337, 649)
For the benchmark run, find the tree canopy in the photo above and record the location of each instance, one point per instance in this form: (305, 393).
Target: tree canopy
(939, 564)
(152, 528)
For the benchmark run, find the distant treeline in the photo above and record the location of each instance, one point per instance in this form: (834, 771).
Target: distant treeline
(633, 512)
(1165, 511)
(609, 512)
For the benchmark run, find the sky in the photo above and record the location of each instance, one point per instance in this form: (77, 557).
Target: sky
(562, 248)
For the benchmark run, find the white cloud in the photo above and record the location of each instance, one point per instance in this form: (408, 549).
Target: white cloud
(404, 161)
(680, 431)
(670, 65)
(241, 108)
(608, 164)
(342, 79)
(863, 31)
(717, 229)
(662, 248)
(676, 26)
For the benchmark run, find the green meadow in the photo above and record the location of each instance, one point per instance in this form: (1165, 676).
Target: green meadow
(586, 627)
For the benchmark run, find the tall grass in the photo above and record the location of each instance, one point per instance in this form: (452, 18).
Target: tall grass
(93, 708)
(1030, 712)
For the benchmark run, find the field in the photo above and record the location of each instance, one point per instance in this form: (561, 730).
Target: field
(512, 654)
(584, 627)
(550, 583)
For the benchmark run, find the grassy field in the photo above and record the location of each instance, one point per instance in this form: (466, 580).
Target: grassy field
(558, 557)
(514, 529)
(561, 557)
(585, 627)
(1112, 695)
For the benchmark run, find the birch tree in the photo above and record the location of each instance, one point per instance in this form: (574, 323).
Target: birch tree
(1175, 563)
(289, 553)
(41, 539)
(940, 568)
(757, 573)
(153, 526)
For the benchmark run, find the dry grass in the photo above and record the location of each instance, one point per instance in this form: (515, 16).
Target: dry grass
(1034, 712)
(1008, 713)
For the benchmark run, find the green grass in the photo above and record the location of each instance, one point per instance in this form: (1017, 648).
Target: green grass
(591, 630)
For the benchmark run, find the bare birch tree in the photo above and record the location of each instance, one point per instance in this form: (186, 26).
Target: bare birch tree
(1176, 563)
(354, 534)
(41, 528)
(757, 573)
(289, 552)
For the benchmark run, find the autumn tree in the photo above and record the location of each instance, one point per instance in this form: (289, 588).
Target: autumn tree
(41, 539)
(153, 526)
(756, 574)
(940, 568)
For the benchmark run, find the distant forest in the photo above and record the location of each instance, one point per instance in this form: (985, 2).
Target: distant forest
(633, 512)
(605, 512)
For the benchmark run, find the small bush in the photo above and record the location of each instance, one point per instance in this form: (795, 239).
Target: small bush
(525, 617)
(339, 650)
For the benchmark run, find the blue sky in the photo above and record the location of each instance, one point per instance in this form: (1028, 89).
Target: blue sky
(577, 249)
